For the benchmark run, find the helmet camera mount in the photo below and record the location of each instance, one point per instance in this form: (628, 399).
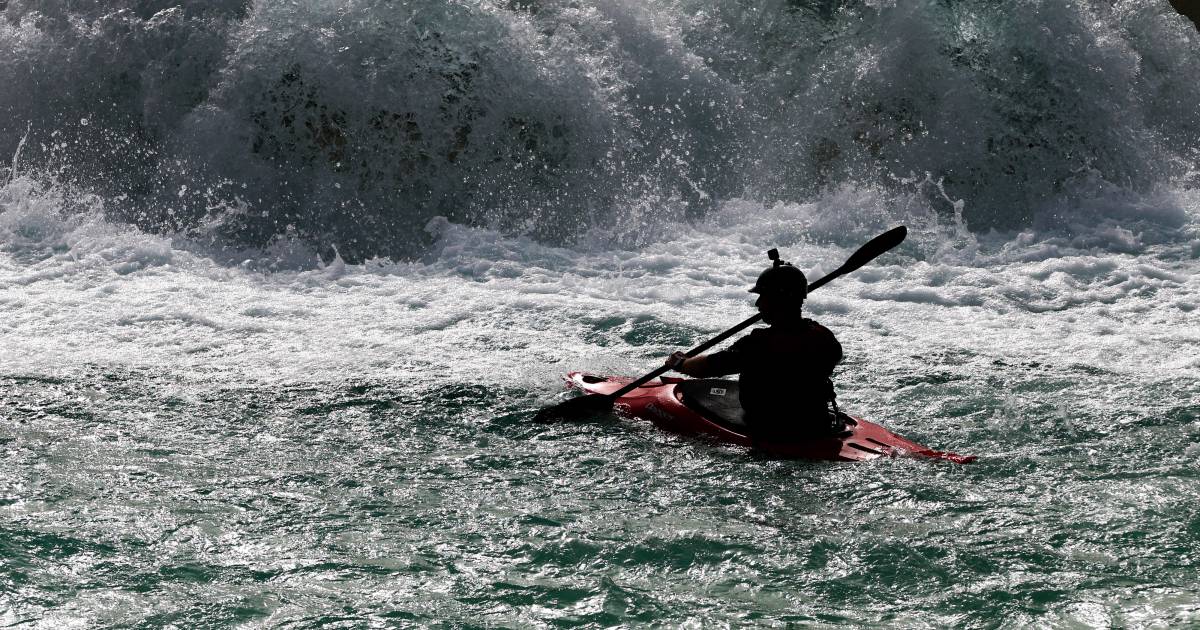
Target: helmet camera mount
(773, 254)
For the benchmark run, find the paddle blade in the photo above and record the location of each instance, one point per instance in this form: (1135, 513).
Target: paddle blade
(865, 254)
(874, 247)
(575, 408)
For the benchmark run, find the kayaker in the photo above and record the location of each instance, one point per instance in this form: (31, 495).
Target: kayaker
(785, 369)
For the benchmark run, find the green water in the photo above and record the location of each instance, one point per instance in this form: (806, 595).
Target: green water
(140, 499)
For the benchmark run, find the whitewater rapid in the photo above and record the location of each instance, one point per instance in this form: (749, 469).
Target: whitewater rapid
(351, 126)
(480, 306)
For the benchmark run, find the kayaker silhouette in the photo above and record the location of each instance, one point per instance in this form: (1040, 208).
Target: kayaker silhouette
(785, 369)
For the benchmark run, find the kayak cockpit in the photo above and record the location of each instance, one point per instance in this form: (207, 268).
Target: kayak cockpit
(718, 401)
(715, 399)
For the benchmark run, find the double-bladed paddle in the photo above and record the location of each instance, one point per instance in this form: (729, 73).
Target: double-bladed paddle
(596, 403)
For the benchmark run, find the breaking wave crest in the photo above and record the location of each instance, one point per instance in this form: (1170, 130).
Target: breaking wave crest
(350, 125)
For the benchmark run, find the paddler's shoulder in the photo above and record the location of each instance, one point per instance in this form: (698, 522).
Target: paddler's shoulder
(796, 325)
(799, 327)
(806, 328)
(816, 329)
(813, 324)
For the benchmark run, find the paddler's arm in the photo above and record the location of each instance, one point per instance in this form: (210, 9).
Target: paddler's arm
(699, 366)
(728, 361)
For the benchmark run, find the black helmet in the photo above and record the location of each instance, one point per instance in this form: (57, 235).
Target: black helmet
(781, 278)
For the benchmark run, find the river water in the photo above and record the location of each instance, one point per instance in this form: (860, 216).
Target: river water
(282, 286)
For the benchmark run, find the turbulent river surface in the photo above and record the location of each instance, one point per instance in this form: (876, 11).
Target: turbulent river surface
(282, 286)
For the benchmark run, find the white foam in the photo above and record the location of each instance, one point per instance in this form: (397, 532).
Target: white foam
(79, 291)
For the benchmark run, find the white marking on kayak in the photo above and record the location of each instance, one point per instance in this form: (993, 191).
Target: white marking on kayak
(717, 391)
(661, 414)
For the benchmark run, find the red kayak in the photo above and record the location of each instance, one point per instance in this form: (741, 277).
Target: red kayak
(710, 408)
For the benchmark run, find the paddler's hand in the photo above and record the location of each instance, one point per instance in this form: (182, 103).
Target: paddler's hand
(675, 361)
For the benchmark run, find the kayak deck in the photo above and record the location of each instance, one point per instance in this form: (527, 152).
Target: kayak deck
(709, 408)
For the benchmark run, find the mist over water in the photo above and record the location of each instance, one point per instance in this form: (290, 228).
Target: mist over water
(283, 284)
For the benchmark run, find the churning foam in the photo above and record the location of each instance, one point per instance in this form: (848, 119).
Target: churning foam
(351, 124)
